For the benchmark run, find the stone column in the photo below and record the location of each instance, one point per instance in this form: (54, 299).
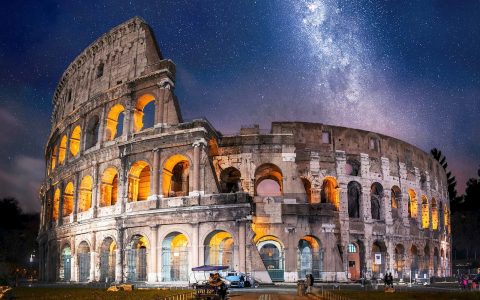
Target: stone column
(155, 181)
(123, 184)
(242, 246)
(196, 245)
(75, 196)
(101, 128)
(197, 148)
(153, 272)
(93, 258)
(95, 190)
(119, 256)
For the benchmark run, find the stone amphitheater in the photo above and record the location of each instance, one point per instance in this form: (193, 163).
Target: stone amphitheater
(134, 193)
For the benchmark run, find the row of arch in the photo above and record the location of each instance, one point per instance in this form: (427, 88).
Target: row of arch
(143, 117)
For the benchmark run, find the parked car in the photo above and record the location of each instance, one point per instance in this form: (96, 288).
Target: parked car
(236, 279)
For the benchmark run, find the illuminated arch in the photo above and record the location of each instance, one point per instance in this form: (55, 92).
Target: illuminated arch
(175, 176)
(425, 213)
(434, 214)
(139, 181)
(68, 199)
(138, 115)
(108, 260)
(85, 195)
(412, 204)
(446, 218)
(309, 257)
(56, 204)
(175, 257)
(396, 197)
(112, 125)
(330, 193)
(271, 252)
(75, 139)
(218, 247)
(83, 252)
(63, 150)
(137, 258)
(54, 157)
(109, 187)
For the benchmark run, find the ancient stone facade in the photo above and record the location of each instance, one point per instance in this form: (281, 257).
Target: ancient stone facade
(134, 193)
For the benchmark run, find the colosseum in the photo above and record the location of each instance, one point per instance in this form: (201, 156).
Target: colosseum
(135, 193)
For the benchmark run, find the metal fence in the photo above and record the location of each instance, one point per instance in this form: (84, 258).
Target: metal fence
(84, 266)
(137, 264)
(107, 267)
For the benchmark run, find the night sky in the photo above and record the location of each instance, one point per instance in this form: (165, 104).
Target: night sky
(408, 69)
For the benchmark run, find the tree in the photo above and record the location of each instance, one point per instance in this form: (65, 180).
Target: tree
(451, 181)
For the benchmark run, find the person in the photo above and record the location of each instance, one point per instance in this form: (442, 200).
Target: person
(385, 279)
(308, 283)
(390, 279)
(312, 281)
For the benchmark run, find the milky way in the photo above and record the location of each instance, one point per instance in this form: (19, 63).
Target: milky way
(408, 69)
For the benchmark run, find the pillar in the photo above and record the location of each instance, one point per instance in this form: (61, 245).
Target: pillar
(75, 197)
(119, 257)
(242, 247)
(152, 265)
(93, 259)
(155, 181)
(60, 205)
(101, 128)
(197, 147)
(196, 245)
(95, 190)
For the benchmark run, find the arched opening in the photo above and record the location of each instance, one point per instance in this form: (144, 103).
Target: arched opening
(109, 188)
(414, 259)
(436, 261)
(85, 195)
(54, 157)
(63, 150)
(143, 116)
(75, 138)
(56, 204)
(65, 264)
(353, 255)
(139, 181)
(218, 249)
(137, 259)
(91, 136)
(175, 181)
(412, 204)
(426, 260)
(399, 260)
(425, 213)
(114, 124)
(396, 197)
(307, 185)
(175, 257)
(68, 199)
(352, 167)
(329, 193)
(376, 200)
(354, 192)
(379, 259)
(310, 257)
(230, 180)
(268, 180)
(271, 253)
(107, 260)
(434, 214)
(83, 253)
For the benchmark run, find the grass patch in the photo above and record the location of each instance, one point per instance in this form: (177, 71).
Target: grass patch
(75, 293)
(409, 295)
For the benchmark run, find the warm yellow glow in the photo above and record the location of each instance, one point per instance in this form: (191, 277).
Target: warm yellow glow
(413, 208)
(142, 242)
(330, 191)
(179, 241)
(75, 140)
(268, 171)
(85, 195)
(312, 241)
(63, 150)
(138, 114)
(175, 176)
(425, 213)
(139, 181)
(112, 122)
(434, 214)
(109, 188)
(54, 157)
(113, 247)
(56, 204)
(446, 218)
(68, 199)
(220, 249)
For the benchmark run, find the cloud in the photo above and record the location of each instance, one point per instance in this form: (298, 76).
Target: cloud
(8, 124)
(21, 180)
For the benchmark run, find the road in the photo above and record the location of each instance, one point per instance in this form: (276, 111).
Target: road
(271, 293)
